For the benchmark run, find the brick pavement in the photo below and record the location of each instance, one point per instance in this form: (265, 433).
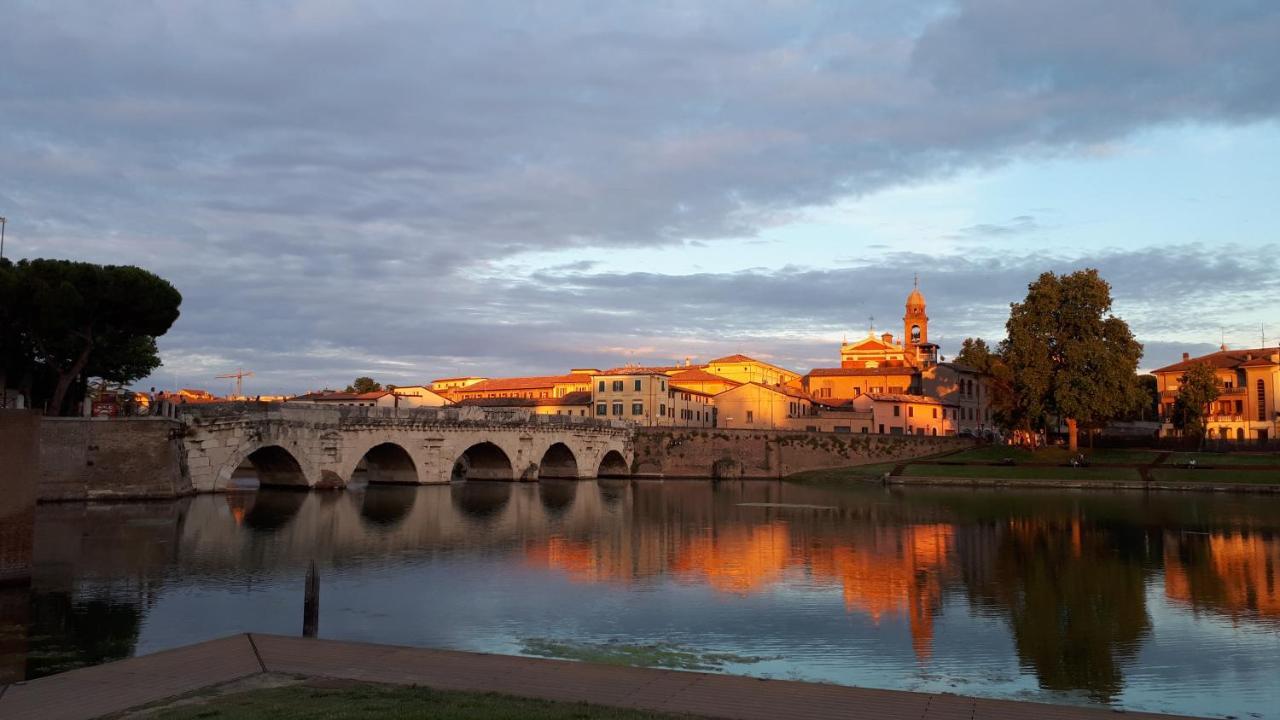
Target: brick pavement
(115, 687)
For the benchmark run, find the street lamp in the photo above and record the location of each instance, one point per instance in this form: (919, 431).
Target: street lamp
(3, 222)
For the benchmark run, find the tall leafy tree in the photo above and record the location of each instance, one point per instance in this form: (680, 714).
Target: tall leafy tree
(78, 319)
(364, 384)
(1197, 388)
(1068, 356)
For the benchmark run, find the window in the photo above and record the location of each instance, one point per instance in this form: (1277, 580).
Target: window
(617, 386)
(897, 411)
(662, 385)
(842, 429)
(881, 428)
(637, 408)
(601, 386)
(935, 413)
(866, 430)
(1239, 407)
(602, 409)
(1262, 400)
(617, 408)
(751, 416)
(911, 412)
(639, 383)
(662, 410)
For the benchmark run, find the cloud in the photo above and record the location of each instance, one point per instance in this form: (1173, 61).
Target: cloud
(321, 175)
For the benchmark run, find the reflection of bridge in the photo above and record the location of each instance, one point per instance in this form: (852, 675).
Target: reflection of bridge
(322, 446)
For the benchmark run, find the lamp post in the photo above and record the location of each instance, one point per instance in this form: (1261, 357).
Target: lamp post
(3, 222)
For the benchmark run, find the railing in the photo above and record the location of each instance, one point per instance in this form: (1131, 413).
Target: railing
(354, 413)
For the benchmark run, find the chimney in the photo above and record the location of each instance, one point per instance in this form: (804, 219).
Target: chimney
(1186, 357)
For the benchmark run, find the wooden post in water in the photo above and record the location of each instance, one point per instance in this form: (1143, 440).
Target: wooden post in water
(311, 603)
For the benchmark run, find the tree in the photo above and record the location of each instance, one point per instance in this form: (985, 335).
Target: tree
(1067, 354)
(364, 384)
(1197, 388)
(77, 319)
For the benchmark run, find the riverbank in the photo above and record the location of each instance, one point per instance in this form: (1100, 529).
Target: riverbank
(1123, 469)
(124, 688)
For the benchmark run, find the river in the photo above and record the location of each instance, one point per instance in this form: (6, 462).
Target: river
(1162, 601)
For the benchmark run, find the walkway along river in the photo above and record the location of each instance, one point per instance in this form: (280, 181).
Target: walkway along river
(1163, 602)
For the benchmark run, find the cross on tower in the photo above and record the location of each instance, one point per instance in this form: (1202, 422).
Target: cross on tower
(871, 324)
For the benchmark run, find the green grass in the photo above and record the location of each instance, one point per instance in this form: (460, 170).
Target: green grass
(839, 475)
(1232, 459)
(300, 702)
(1052, 455)
(1023, 472)
(1252, 477)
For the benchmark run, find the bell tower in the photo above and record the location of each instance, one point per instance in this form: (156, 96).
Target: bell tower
(915, 324)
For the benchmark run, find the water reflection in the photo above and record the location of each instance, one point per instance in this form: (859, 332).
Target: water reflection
(480, 499)
(1056, 596)
(386, 506)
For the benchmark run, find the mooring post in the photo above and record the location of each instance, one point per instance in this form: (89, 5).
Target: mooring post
(311, 603)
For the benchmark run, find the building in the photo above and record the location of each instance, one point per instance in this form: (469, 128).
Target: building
(646, 397)
(418, 396)
(908, 367)
(764, 407)
(540, 386)
(963, 388)
(445, 386)
(901, 414)
(743, 369)
(577, 404)
(832, 385)
(1248, 387)
(378, 398)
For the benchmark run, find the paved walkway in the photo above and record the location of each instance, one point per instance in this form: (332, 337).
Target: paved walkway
(118, 686)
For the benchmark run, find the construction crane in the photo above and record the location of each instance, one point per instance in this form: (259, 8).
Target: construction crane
(239, 376)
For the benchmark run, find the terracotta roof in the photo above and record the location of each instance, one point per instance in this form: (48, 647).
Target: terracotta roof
(736, 358)
(1225, 359)
(868, 342)
(455, 379)
(523, 383)
(693, 375)
(644, 370)
(851, 372)
(901, 397)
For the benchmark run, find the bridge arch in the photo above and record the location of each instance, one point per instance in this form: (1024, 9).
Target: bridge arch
(274, 465)
(613, 465)
(483, 461)
(388, 463)
(558, 462)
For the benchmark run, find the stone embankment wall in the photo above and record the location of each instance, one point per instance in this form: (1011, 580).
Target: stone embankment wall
(134, 458)
(19, 455)
(722, 453)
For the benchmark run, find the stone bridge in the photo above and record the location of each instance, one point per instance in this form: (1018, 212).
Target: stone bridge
(316, 446)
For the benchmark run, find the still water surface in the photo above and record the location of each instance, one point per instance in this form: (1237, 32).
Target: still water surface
(1164, 602)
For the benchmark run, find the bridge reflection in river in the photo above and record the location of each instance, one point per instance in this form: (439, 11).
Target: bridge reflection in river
(1145, 601)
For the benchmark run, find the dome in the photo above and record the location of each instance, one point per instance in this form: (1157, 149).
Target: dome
(915, 299)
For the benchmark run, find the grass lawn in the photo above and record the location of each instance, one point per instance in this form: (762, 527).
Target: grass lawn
(1052, 455)
(1259, 477)
(837, 475)
(1233, 459)
(1022, 472)
(297, 702)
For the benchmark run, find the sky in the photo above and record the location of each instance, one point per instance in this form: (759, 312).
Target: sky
(412, 190)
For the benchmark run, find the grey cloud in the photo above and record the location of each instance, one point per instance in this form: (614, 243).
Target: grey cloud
(319, 175)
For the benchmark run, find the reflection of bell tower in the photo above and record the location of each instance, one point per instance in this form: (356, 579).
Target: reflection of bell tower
(915, 324)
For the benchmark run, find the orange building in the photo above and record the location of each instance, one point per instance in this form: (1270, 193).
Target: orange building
(1248, 404)
(541, 386)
